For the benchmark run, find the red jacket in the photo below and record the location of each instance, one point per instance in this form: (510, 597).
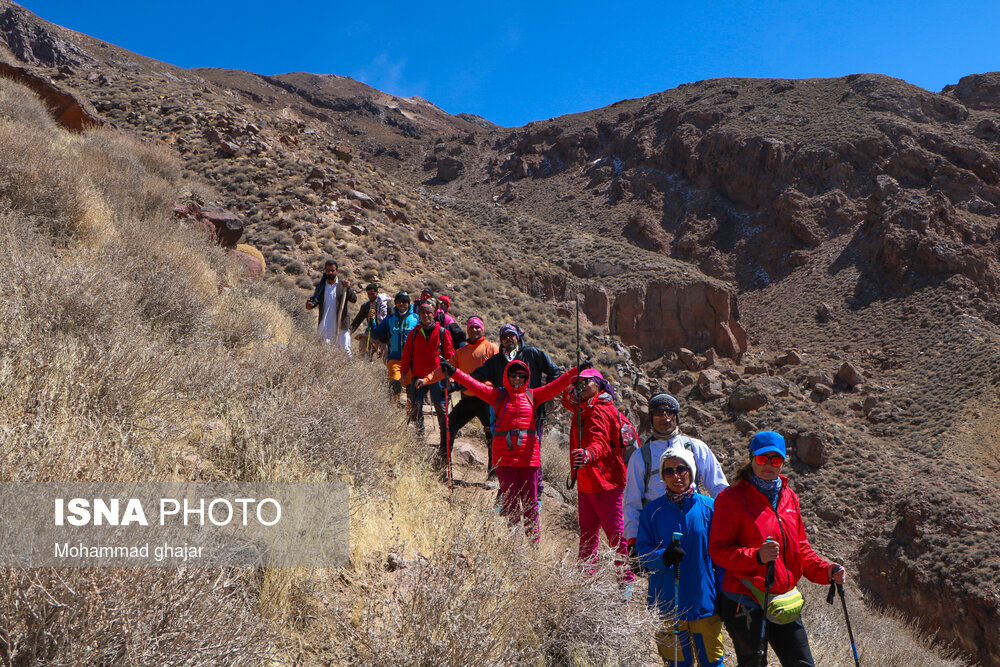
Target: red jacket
(606, 471)
(421, 352)
(743, 519)
(515, 441)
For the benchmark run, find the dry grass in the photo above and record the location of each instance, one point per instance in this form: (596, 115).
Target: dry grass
(129, 350)
(473, 591)
(882, 638)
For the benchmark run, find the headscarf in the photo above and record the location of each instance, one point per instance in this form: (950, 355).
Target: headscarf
(595, 375)
(511, 328)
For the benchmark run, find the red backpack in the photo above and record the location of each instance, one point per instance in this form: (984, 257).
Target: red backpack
(626, 440)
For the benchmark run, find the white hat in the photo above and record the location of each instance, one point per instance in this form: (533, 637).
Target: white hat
(679, 453)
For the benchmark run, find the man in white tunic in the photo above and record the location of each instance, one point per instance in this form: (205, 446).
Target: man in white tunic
(330, 297)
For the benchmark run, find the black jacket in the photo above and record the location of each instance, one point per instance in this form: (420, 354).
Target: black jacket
(539, 365)
(319, 294)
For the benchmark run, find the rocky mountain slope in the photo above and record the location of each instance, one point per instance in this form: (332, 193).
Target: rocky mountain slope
(709, 229)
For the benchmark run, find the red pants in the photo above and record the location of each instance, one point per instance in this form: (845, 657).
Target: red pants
(603, 511)
(519, 493)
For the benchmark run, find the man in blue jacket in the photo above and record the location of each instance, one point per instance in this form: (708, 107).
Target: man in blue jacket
(393, 331)
(685, 561)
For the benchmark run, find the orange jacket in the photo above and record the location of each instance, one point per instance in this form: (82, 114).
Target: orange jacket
(467, 358)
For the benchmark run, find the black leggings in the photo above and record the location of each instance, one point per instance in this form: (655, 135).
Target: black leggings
(789, 641)
(465, 411)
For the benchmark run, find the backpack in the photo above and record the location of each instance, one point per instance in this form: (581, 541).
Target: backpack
(646, 451)
(626, 438)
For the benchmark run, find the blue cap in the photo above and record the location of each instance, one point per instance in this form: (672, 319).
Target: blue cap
(768, 441)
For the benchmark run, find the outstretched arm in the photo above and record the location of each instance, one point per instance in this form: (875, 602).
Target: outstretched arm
(477, 388)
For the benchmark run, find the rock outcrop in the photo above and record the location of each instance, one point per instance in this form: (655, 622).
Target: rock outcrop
(68, 110)
(660, 315)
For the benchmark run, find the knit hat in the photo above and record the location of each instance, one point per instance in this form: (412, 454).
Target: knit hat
(599, 379)
(511, 328)
(682, 454)
(664, 400)
(768, 441)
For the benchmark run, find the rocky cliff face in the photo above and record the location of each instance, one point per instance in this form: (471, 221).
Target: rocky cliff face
(747, 178)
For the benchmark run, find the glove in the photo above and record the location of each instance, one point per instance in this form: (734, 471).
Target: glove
(673, 554)
(447, 368)
(583, 366)
(580, 458)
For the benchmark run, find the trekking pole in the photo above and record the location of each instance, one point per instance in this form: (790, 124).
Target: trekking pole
(839, 588)
(571, 482)
(768, 582)
(447, 434)
(676, 539)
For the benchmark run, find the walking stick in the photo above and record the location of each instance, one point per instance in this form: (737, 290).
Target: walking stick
(447, 435)
(677, 612)
(768, 582)
(571, 482)
(839, 588)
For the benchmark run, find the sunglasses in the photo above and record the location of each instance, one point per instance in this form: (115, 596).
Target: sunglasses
(764, 459)
(518, 376)
(669, 472)
(663, 412)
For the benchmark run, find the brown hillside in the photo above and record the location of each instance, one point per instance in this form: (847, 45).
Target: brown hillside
(778, 229)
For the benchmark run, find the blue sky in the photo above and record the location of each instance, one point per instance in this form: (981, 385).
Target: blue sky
(513, 62)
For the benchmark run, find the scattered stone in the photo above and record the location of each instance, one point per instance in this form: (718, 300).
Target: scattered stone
(690, 429)
(811, 448)
(358, 230)
(773, 386)
(711, 357)
(228, 148)
(394, 562)
(299, 237)
(449, 168)
(365, 199)
(745, 426)
(464, 454)
(755, 370)
(824, 390)
(425, 237)
(790, 358)
(710, 384)
(748, 397)
(252, 260)
(700, 416)
(689, 359)
(824, 313)
(814, 379)
(850, 375)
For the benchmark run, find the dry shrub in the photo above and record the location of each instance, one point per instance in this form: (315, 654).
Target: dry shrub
(883, 637)
(20, 104)
(114, 617)
(475, 592)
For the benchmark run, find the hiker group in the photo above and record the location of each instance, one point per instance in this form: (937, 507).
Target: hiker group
(729, 556)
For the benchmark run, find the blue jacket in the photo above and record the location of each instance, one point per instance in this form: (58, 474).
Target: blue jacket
(394, 329)
(659, 520)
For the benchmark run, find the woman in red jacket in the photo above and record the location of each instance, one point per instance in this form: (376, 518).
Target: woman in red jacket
(600, 471)
(515, 447)
(758, 524)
